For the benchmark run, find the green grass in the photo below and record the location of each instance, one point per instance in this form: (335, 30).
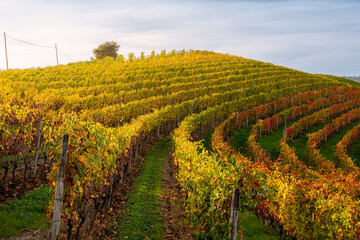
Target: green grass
(141, 217)
(239, 138)
(27, 212)
(328, 149)
(254, 229)
(207, 140)
(354, 153)
(299, 144)
(271, 142)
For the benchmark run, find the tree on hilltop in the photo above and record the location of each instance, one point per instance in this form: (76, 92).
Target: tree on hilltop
(107, 49)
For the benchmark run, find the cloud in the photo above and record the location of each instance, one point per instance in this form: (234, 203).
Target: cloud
(312, 36)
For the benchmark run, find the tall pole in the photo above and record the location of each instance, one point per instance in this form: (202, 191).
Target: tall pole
(234, 214)
(7, 62)
(59, 191)
(57, 58)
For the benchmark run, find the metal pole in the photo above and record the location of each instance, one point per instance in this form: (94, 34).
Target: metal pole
(57, 58)
(7, 62)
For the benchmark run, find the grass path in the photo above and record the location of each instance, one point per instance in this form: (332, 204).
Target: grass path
(328, 149)
(239, 138)
(28, 212)
(354, 152)
(141, 218)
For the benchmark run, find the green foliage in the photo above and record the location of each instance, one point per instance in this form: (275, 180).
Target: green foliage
(251, 226)
(107, 49)
(120, 58)
(131, 57)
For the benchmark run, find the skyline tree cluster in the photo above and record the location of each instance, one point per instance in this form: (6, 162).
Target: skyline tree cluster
(107, 49)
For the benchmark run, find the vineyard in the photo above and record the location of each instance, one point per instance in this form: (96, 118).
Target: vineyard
(112, 109)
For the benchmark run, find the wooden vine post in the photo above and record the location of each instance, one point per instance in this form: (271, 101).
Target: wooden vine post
(58, 200)
(237, 119)
(234, 215)
(38, 146)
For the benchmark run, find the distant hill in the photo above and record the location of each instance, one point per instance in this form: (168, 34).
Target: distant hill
(356, 78)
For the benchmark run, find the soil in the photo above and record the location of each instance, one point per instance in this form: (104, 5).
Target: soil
(13, 188)
(30, 234)
(171, 201)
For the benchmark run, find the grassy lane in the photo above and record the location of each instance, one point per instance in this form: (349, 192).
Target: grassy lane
(239, 138)
(354, 152)
(299, 144)
(271, 142)
(207, 140)
(254, 229)
(141, 218)
(328, 149)
(25, 213)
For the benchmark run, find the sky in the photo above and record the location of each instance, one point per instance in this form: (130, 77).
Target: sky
(315, 36)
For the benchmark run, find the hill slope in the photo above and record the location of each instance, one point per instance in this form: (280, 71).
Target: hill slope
(111, 109)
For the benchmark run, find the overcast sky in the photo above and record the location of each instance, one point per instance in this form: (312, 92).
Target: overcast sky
(315, 36)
